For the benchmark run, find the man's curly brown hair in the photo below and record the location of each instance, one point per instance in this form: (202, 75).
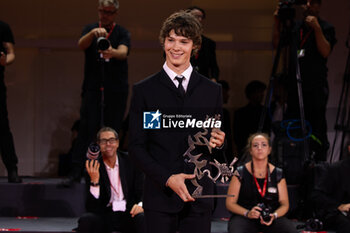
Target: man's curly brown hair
(184, 24)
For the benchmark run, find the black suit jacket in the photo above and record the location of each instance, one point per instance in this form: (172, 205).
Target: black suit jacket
(131, 180)
(159, 152)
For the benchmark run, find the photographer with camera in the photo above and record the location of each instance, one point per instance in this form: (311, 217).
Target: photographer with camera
(260, 198)
(114, 189)
(204, 61)
(331, 195)
(105, 87)
(7, 148)
(313, 39)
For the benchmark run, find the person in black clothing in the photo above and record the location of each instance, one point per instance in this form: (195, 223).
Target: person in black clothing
(107, 70)
(163, 153)
(204, 61)
(331, 196)
(254, 183)
(246, 119)
(7, 148)
(114, 190)
(227, 155)
(65, 159)
(315, 39)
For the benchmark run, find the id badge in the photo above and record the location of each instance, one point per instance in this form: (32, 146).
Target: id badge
(119, 205)
(272, 190)
(301, 53)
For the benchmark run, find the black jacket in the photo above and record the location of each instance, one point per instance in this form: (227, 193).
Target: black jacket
(332, 188)
(159, 152)
(131, 181)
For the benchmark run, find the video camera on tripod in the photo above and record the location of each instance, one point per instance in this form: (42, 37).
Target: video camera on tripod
(286, 42)
(286, 10)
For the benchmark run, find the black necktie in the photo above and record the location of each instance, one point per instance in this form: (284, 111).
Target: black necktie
(180, 87)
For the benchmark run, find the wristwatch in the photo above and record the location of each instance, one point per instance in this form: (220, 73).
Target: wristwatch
(275, 214)
(94, 184)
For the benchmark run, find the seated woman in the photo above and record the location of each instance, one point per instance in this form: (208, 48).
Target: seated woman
(260, 193)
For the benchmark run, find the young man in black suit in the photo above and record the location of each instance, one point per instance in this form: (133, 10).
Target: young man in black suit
(177, 94)
(114, 190)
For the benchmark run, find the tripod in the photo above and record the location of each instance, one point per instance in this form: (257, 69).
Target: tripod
(342, 122)
(293, 156)
(288, 40)
(102, 63)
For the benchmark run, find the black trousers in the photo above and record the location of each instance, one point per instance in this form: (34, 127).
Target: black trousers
(339, 223)
(7, 148)
(240, 224)
(186, 221)
(111, 222)
(90, 121)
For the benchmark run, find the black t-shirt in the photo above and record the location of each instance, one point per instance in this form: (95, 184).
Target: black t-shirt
(249, 195)
(313, 66)
(5, 36)
(115, 71)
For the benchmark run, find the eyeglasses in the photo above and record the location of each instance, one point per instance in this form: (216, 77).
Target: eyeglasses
(105, 12)
(109, 140)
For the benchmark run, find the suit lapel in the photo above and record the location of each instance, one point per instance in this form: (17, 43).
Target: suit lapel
(194, 81)
(122, 175)
(104, 178)
(165, 80)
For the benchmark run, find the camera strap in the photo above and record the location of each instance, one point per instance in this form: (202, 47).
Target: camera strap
(110, 31)
(303, 40)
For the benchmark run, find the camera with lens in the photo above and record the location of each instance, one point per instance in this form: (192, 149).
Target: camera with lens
(103, 43)
(313, 224)
(93, 151)
(290, 3)
(265, 212)
(286, 11)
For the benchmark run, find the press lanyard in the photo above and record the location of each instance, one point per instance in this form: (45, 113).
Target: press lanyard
(303, 40)
(110, 31)
(261, 192)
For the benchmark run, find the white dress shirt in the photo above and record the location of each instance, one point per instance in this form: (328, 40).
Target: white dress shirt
(172, 75)
(117, 200)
